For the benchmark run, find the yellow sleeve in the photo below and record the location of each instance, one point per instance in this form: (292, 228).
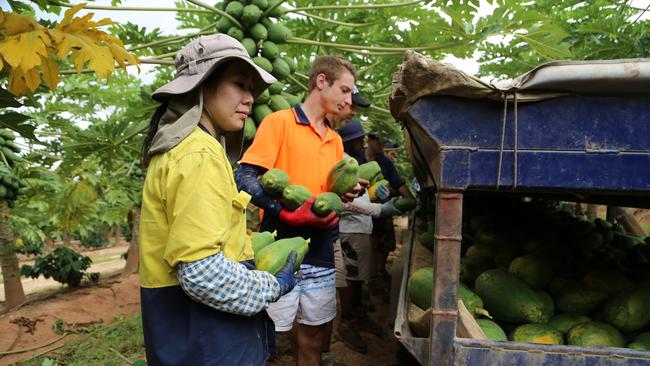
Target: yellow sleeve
(198, 206)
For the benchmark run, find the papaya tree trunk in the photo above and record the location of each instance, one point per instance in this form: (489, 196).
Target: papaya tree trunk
(14, 294)
(66, 238)
(133, 257)
(118, 235)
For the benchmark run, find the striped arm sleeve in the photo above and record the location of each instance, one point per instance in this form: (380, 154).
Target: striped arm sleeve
(228, 286)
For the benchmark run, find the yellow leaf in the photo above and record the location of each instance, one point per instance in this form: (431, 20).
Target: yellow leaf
(16, 23)
(17, 85)
(11, 51)
(50, 70)
(79, 24)
(32, 79)
(33, 45)
(69, 14)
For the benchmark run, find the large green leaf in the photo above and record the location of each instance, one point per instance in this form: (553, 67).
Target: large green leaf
(14, 121)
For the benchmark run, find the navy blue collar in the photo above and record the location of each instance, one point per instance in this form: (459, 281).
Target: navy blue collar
(302, 117)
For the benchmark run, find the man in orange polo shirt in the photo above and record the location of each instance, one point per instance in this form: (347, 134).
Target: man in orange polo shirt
(301, 142)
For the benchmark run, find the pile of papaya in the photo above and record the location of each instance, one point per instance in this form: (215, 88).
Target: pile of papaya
(534, 271)
(262, 34)
(10, 184)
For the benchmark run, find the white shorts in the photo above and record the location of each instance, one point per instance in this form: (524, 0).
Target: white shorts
(311, 302)
(339, 265)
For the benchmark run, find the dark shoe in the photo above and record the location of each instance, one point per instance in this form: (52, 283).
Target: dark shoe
(350, 337)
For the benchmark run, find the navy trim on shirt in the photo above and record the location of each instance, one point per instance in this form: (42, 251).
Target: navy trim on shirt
(302, 117)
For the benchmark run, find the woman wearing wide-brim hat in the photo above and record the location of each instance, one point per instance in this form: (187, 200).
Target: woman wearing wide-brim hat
(202, 301)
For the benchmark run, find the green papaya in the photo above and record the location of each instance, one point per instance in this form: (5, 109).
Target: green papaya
(593, 334)
(262, 239)
(292, 99)
(3, 141)
(405, 204)
(270, 50)
(564, 322)
(278, 103)
(274, 181)
(278, 33)
(535, 271)
(327, 202)
(492, 330)
(641, 342)
(264, 64)
(3, 191)
(7, 135)
(9, 155)
(262, 4)
(628, 311)
(293, 66)
(510, 299)
(293, 196)
(420, 289)
(250, 45)
(250, 15)
(260, 111)
(266, 22)
(258, 32)
(577, 299)
(223, 25)
(277, 10)
(369, 170)
(273, 257)
(372, 190)
(537, 333)
(343, 176)
(249, 129)
(236, 33)
(280, 69)
(420, 285)
(276, 88)
(263, 98)
(235, 9)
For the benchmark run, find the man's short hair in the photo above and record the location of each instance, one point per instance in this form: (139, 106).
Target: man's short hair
(331, 67)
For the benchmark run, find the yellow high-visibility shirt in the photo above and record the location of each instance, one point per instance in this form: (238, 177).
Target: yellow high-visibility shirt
(191, 209)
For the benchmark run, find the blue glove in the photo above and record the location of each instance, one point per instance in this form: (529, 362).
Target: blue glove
(249, 264)
(382, 193)
(285, 274)
(388, 209)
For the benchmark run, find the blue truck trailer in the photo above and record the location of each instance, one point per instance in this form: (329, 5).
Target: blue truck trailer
(577, 131)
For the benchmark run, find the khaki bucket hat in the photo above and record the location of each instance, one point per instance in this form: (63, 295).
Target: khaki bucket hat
(198, 59)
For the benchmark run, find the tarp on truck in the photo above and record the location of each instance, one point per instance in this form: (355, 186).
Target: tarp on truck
(421, 76)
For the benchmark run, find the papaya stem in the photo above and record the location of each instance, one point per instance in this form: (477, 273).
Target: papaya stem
(297, 40)
(274, 233)
(218, 11)
(326, 20)
(126, 8)
(308, 241)
(297, 82)
(372, 106)
(267, 11)
(172, 39)
(354, 7)
(481, 311)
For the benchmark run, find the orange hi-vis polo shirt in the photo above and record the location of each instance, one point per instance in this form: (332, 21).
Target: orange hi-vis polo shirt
(288, 141)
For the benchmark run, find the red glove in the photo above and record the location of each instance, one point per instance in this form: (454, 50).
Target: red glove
(303, 216)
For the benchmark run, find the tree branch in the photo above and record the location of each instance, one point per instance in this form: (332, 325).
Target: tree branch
(354, 7)
(389, 50)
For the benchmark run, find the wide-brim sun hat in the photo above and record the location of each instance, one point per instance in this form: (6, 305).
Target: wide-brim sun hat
(198, 59)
